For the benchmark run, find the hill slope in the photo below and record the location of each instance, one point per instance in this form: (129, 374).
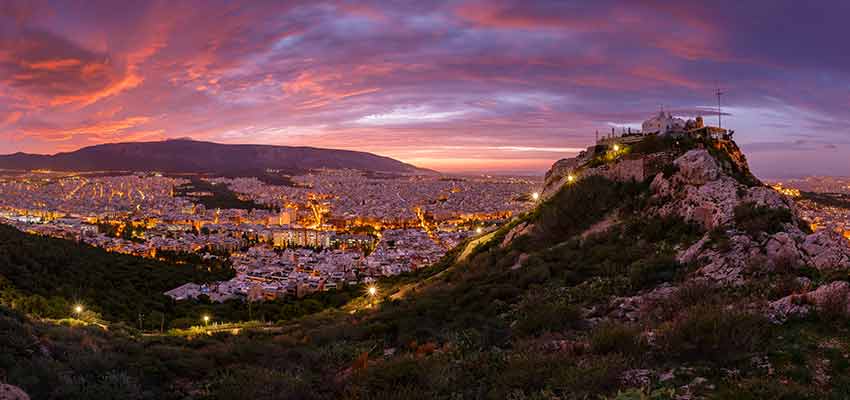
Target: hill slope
(696, 282)
(204, 157)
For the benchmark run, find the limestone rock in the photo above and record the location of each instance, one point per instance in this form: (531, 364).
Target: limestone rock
(698, 192)
(767, 197)
(660, 186)
(517, 231)
(781, 247)
(697, 167)
(728, 266)
(557, 175)
(827, 250)
(631, 308)
(799, 305)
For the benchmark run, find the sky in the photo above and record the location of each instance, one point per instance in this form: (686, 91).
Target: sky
(498, 86)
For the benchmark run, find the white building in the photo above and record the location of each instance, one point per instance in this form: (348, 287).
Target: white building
(662, 123)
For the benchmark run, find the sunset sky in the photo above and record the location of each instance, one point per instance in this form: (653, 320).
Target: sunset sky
(460, 86)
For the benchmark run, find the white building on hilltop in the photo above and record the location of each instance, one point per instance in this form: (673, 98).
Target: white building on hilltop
(662, 123)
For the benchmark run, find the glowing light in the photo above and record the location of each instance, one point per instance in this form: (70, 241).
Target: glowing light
(790, 192)
(78, 309)
(570, 178)
(373, 291)
(206, 319)
(616, 147)
(478, 230)
(535, 196)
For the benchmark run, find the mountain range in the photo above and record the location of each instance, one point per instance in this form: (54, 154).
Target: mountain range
(186, 155)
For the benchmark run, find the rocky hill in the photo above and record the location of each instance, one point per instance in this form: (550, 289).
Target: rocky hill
(184, 155)
(659, 270)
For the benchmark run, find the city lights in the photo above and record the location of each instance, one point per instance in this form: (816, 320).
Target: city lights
(535, 196)
(373, 291)
(78, 309)
(478, 230)
(616, 147)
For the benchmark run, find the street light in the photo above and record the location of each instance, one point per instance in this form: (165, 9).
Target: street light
(78, 309)
(373, 291)
(570, 178)
(535, 196)
(616, 147)
(478, 230)
(206, 320)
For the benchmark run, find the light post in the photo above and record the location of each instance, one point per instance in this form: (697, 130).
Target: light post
(373, 291)
(206, 320)
(78, 309)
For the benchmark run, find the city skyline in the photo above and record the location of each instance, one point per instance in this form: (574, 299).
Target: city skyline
(457, 86)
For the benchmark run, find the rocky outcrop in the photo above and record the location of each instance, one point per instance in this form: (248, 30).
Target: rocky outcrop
(697, 167)
(633, 308)
(558, 173)
(826, 249)
(722, 265)
(517, 231)
(701, 192)
(705, 187)
(832, 297)
(728, 263)
(627, 168)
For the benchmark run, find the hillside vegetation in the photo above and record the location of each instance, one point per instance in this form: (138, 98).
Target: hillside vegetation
(618, 290)
(46, 277)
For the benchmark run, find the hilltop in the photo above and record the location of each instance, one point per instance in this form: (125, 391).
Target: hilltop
(659, 268)
(190, 156)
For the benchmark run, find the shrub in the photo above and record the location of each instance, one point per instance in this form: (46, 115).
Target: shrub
(616, 338)
(714, 333)
(753, 219)
(650, 271)
(541, 314)
(578, 206)
(760, 388)
(563, 374)
(687, 295)
(833, 308)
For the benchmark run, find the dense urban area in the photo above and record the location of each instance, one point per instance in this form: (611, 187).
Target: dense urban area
(822, 201)
(325, 229)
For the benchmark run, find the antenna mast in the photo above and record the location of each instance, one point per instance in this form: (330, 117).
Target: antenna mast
(718, 93)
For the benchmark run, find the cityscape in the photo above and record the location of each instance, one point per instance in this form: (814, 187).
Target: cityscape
(416, 200)
(327, 229)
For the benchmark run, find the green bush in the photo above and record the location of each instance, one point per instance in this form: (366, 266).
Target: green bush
(653, 270)
(543, 314)
(713, 333)
(578, 206)
(754, 219)
(761, 388)
(616, 338)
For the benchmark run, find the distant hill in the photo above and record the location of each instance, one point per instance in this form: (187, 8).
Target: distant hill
(184, 155)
